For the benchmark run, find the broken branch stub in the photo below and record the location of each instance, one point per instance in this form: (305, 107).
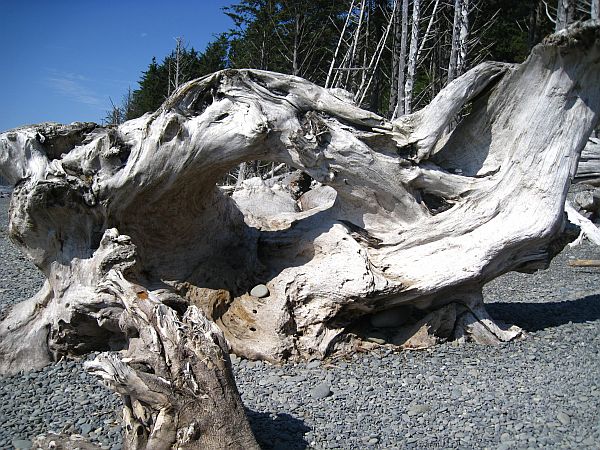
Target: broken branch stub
(175, 378)
(407, 219)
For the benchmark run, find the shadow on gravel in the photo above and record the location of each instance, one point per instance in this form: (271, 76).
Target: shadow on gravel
(284, 432)
(539, 316)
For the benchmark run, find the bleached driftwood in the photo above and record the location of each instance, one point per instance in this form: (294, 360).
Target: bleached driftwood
(588, 170)
(420, 218)
(587, 228)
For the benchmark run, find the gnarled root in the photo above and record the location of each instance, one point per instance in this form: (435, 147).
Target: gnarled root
(175, 378)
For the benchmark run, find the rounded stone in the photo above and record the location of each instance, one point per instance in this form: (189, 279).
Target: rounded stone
(260, 291)
(321, 391)
(21, 444)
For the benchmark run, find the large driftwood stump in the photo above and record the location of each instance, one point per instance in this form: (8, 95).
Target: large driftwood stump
(408, 222)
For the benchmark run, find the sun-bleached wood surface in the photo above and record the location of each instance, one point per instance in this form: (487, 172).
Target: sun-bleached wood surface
(406, 224)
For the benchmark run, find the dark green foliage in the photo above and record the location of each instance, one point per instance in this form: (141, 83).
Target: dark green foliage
(299, 37)
(289, 36)
(516, 25)
(157, 82)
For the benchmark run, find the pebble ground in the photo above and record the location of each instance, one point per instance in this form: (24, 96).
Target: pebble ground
(539, 392)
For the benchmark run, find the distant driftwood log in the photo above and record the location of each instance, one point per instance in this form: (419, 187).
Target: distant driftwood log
(142, 251)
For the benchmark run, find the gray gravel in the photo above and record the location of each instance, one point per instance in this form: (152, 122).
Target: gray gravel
(540, 392)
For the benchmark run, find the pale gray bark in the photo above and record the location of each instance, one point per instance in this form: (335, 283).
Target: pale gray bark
(429, 27)
(463, 38)
(460, 38)
(565, 12)
(412, 56)
(241, 175)
(330, 72)
(399, 108)
(295, 65)
(397, 36)
(371, 69)
(455, 48)
(176, 81)
(595, 9)
(354, 47)
(588, 169)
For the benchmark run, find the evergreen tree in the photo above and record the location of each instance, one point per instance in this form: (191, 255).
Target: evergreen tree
(299, 37)
(183, 65)
(288, 36)
(152, 90)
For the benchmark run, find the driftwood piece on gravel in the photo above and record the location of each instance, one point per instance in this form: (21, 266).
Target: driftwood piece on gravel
(588, 170)
(409, 224)
(585, 263)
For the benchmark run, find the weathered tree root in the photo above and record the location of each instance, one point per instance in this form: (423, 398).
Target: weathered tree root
(175, 378)
(406, 214)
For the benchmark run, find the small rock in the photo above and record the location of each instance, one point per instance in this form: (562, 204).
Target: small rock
(320, 391)
(85, 428)
(260, 291)
(563, 418)
(21, 444)
(418, 410)
(297, 379)
(373, 441)
(313, 364)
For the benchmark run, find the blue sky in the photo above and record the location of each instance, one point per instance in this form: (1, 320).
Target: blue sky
(63, 59)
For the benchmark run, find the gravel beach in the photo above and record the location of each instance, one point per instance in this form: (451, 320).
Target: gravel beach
(539, 392)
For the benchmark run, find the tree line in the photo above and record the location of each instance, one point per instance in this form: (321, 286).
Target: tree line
(392, 56)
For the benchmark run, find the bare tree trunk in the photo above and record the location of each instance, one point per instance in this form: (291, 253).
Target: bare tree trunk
(354, 47)
(330, 73)
(373, 67)
(397, 38)
(463, 38)
(295, 68)
(595, 9)
(565, 13)
(365, 55)
(535, 18)
(455, 49)
(438, 66)
(242, 169)
(176, 81)
(429, 28)
(412, 56)
(399, 108)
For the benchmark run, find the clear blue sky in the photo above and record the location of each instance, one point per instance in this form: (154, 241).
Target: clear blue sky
(63, 59)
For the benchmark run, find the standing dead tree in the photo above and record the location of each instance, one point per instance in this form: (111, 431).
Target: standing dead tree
(565, 13)
(412, 56)
(460, 34)
(400, 48)
(139, 247)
